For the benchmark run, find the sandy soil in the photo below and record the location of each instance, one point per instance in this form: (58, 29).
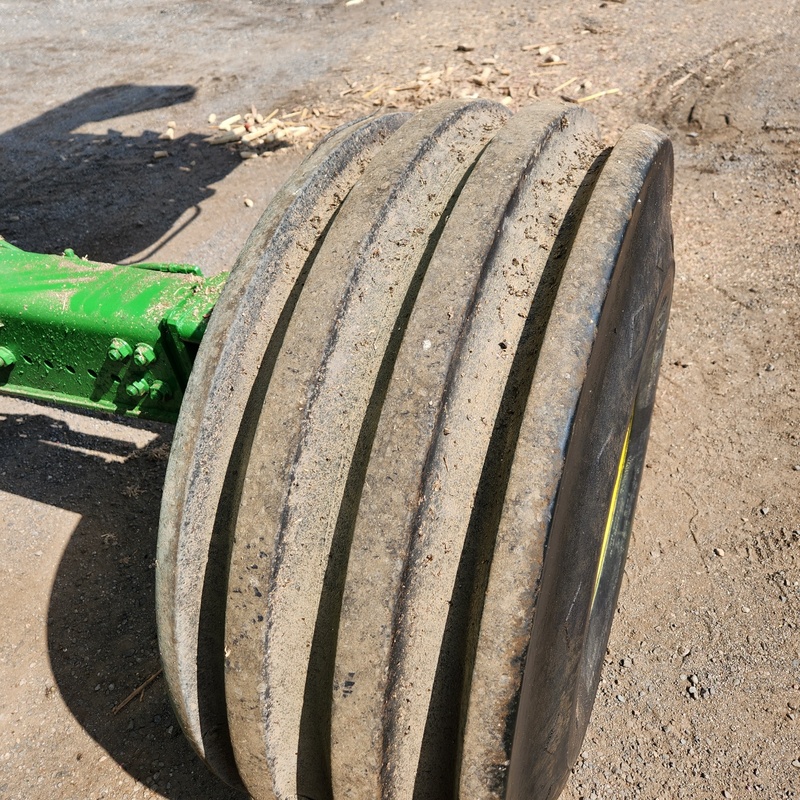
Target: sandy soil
(701, 690)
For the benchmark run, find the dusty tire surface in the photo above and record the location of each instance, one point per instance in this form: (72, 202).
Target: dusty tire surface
(312, 439)
(215, 427)
(593, 399)
(408, 436)
(443, 457)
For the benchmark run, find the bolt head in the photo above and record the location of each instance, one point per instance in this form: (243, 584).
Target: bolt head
(119, 350)
(159, 391)
(138, 388)
(144, 355)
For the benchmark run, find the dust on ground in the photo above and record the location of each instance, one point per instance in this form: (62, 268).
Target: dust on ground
(701, 688)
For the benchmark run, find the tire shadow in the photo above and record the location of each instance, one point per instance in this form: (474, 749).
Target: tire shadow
(101, 629)
(104, 195)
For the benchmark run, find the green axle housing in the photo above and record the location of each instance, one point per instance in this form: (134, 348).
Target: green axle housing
(108, 337)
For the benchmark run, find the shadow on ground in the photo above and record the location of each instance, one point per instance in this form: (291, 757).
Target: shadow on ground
(104, 195)
(101, 620)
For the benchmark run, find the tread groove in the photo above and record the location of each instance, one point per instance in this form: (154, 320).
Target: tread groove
(565, 147)
(314, 747)
(309, 425)
(207, 427)
(461, 629)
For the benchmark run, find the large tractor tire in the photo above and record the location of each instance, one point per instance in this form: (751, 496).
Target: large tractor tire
(399, 501)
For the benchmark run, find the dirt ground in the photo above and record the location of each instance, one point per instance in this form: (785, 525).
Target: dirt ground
(700, 695)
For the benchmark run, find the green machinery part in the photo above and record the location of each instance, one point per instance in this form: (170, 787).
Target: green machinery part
(109, 337)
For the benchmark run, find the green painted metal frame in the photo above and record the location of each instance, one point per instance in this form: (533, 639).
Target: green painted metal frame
(107, 337)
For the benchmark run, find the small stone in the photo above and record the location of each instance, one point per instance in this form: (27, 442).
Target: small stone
(212, 118)
(764, 510)
(248, 202)
(160, 154)
(796, 763)
(694, 680)
(726, 793)
(626, 662)
(465, 47)
(770, 368)
(719, 552)
(796, 467)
